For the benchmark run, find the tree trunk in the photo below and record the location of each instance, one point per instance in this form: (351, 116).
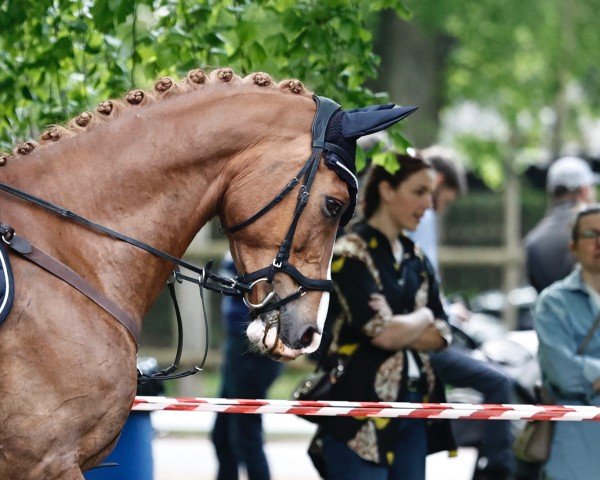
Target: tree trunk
(411, 71)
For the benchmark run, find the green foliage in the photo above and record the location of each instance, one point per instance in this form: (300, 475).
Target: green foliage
(486, 156)
(523, 61)
(60, 57)
(383, 152)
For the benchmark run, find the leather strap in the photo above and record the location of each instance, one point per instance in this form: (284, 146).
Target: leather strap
(62, 271)
(584, 344)
(63, 212)
(278, 198)
(565, 395)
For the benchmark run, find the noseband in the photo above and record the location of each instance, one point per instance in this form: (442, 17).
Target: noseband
(325, 110)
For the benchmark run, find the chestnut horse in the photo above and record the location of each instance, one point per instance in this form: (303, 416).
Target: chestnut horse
(156, 167)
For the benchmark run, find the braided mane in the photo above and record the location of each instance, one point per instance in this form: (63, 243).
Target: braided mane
(164, 87)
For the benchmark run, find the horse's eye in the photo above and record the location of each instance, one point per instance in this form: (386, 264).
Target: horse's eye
(333, 206)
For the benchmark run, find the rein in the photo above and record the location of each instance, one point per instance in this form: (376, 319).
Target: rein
(230, 286)
(240, 286)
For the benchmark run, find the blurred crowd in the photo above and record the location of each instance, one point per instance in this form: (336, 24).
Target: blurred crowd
(396, 337)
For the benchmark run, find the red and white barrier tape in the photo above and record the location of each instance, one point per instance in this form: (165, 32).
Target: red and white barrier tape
(373, 409)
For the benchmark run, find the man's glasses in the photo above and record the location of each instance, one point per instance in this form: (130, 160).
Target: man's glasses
(589, 234)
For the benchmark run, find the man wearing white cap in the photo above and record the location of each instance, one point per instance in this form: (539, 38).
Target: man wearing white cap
(571, 183)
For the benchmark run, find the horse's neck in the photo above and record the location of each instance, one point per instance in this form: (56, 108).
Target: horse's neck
(156, 175)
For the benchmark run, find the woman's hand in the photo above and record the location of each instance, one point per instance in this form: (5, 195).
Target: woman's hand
(423, 316)
(415, 330)
(401, 330)
(430, 339)
(378, 303)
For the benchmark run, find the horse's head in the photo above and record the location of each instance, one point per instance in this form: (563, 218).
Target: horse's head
(282, 216)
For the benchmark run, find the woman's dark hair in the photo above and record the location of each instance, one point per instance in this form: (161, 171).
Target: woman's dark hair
(585, 211)
(409, 165)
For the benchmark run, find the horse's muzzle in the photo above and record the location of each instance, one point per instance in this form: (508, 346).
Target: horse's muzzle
(281, 339)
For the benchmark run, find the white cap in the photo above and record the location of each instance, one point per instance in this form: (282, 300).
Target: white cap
(571, 173)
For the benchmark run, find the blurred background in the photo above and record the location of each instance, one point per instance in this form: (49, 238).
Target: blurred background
(511, 86)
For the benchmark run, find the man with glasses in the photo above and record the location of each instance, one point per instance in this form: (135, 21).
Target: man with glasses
(570, 184)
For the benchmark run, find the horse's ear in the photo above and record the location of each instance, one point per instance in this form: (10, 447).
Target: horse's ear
(363, 121)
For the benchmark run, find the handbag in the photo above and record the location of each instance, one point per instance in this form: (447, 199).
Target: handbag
(533, 443)
(319, 384)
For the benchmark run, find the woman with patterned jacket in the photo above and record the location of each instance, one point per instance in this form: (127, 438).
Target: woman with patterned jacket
(385, 316)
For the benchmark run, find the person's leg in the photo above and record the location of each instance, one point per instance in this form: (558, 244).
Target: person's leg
(248, 442)
(221, 434)
(253, 377)
(342, 463)
(457, 368)
(410, 451)
(221, 438)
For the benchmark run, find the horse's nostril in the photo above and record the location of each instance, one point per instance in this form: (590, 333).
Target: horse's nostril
(307, 337)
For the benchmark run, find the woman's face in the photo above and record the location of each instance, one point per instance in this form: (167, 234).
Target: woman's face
(407, 202)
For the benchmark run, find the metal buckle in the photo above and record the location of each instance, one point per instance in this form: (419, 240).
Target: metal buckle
(174, 277)
(8, 235)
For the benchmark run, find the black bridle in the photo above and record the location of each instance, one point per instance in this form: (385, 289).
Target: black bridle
(280, 262)
(243, 284)
(325, 109)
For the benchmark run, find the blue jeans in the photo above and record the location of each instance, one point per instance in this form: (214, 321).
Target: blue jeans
(238, 438)
(574, 452)
(457, 368)
(342, 463)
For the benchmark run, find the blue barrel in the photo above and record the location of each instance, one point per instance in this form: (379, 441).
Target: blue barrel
(133, 452)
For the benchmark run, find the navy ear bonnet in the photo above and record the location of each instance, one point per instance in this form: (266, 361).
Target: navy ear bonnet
(336, 131)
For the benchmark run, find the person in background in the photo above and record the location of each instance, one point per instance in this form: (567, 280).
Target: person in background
(238, 438)
(450, 183)
(454, 365)
(386, 315)
(566, 321)
(570, 184)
